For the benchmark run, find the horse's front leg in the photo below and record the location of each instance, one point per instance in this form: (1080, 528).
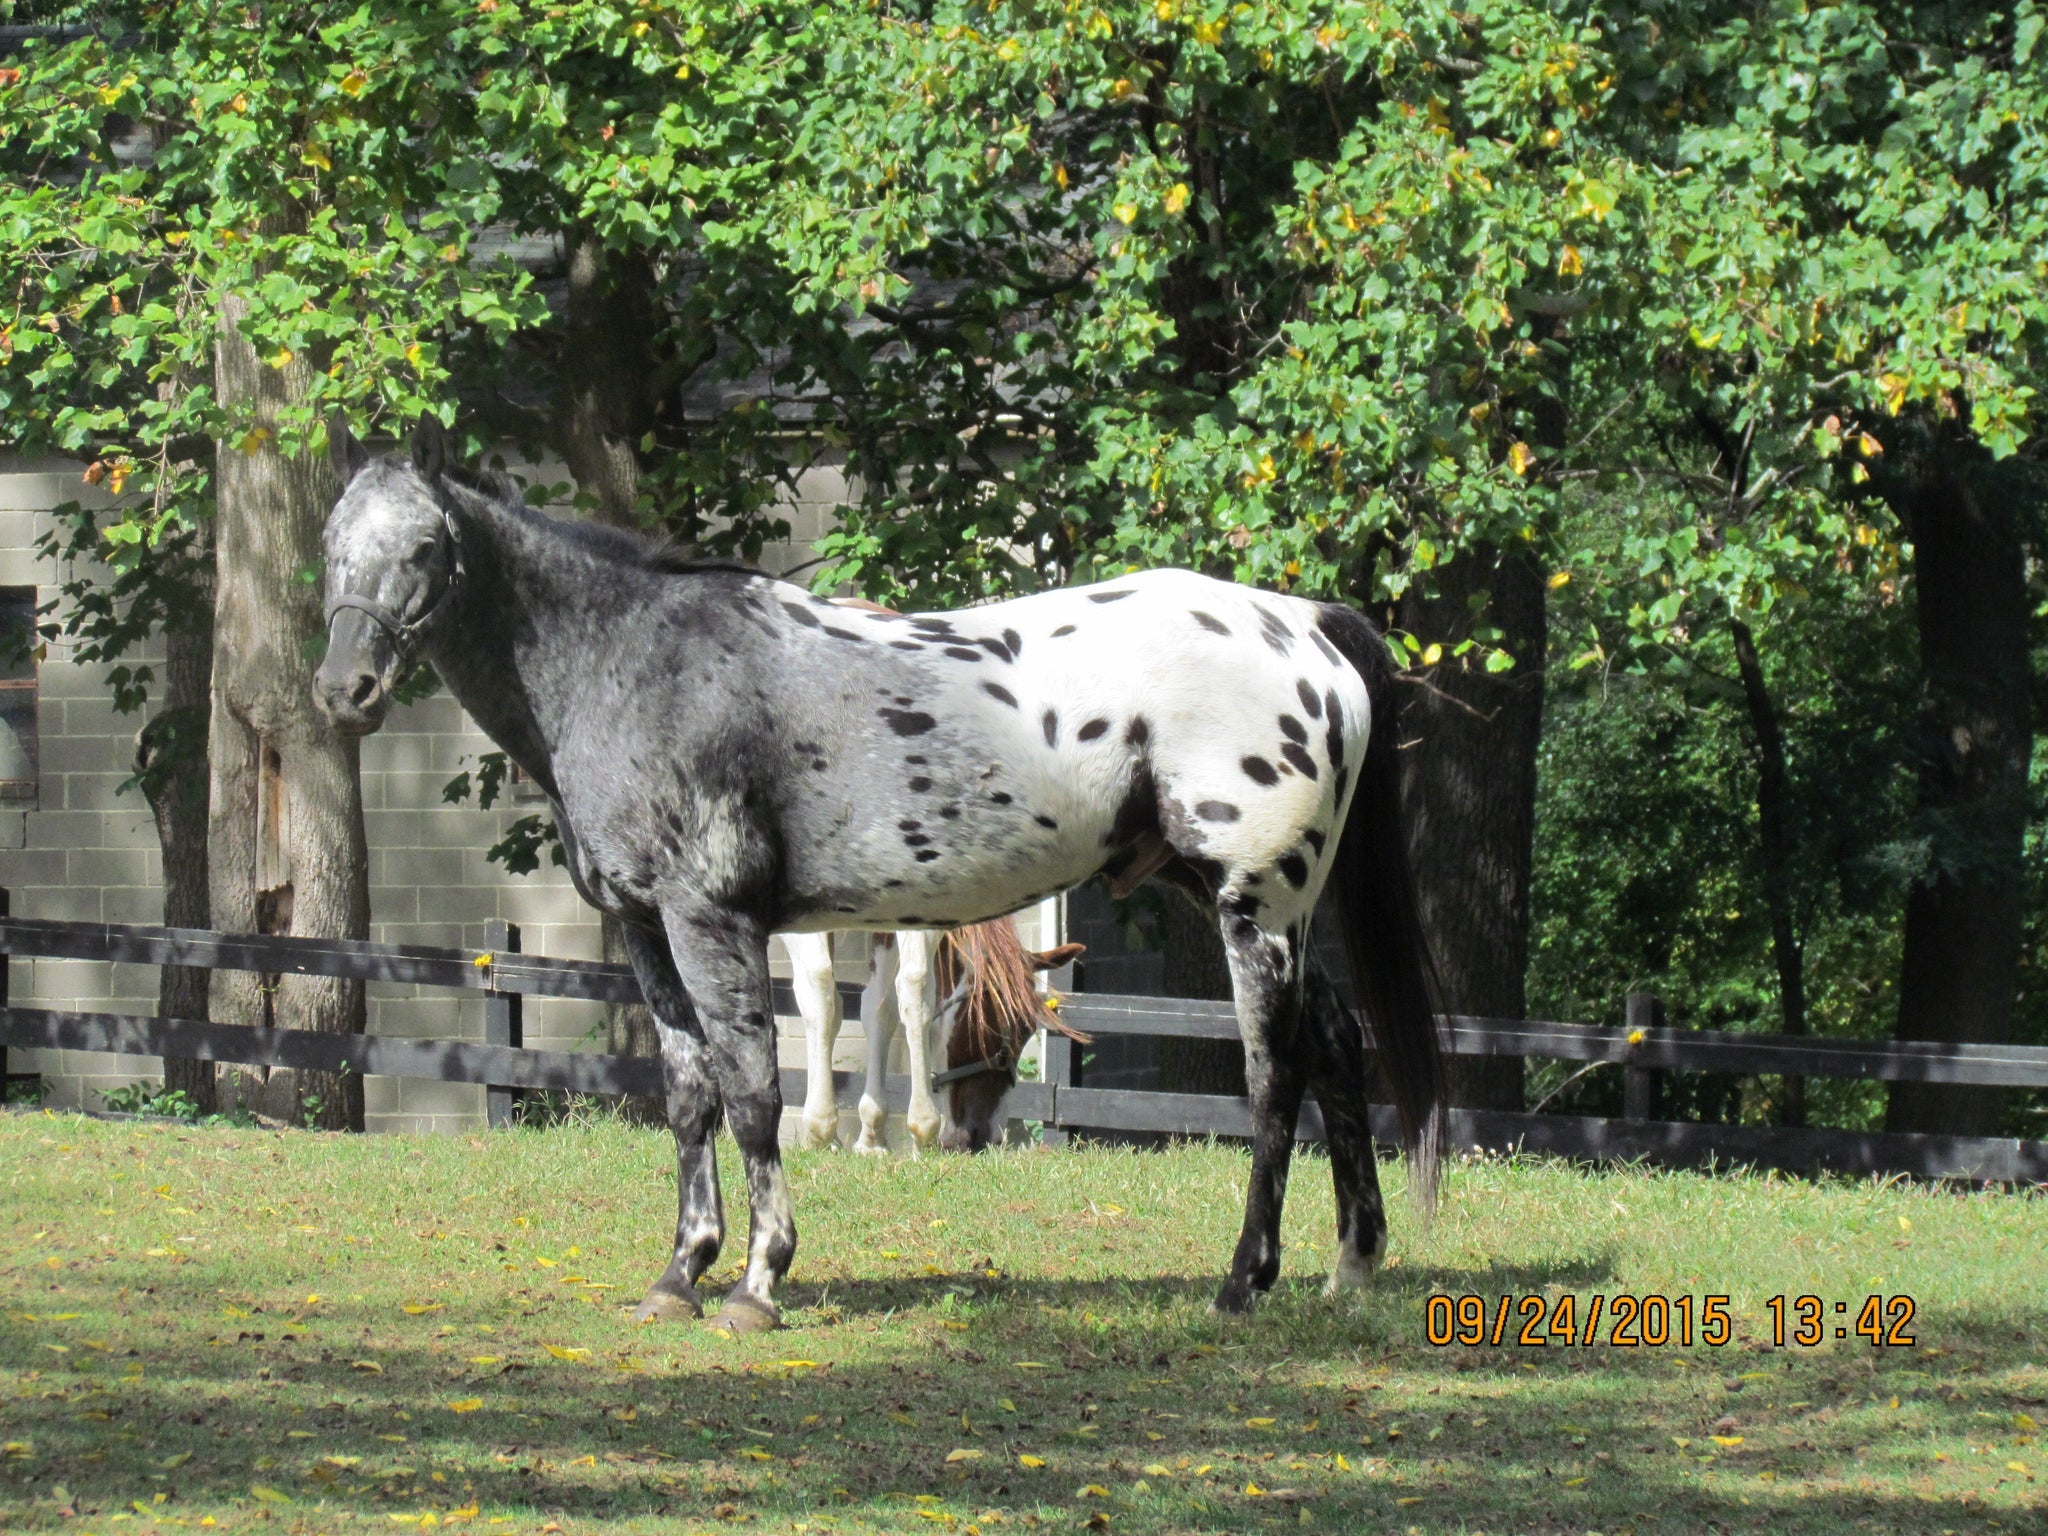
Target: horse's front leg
(690, 1091)
(817, 999)
(722, 958)
(914, 1002)
(1264, 977)
(878, 1013)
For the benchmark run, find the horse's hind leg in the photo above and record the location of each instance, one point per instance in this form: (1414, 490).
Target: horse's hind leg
(722, 958)
(691, 1092)
(1265, 978)
(1336, 1049)
(878, 1018)
(817, 999)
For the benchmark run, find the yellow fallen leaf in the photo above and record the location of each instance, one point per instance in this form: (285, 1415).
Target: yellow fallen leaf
(268, 1494)
(1158, 1469)
(1574, 1482)
(1728, 1441)
(2019, 1467)
(1411, 1499)
(798, 1365)
(1030, 1461)
(1030, 1365)
(1258, 1423)
(417, 1309)
(485, 1359)
(465, 1405)
(1342, 1464)
(366, 1365)
(1092, 1491)
(963, 1453)
(560, 1353)
(1893, 1403)
(752, 1454)
(1254, 1490)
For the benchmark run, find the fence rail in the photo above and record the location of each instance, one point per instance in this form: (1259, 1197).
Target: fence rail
(1062, 1100)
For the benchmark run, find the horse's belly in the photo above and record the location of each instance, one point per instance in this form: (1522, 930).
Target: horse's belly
(978, 868)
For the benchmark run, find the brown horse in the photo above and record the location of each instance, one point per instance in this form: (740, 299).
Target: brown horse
(988, 979)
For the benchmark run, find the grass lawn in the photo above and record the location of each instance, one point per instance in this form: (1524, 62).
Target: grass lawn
(291, 1332)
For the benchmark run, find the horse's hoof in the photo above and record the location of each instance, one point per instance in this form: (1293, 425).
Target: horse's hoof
(666, 1306)
(744, 1314)
(817, 1135)
(1353, 1272)
(1234, 1300)
(925, 1133)
(871, 1146)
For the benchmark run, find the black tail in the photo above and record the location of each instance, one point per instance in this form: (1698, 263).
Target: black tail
(1377, 911)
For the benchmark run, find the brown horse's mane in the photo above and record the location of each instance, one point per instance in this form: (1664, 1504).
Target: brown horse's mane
(1003, 1004)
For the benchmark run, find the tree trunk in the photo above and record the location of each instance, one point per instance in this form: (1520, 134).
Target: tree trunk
(1777, 850)
(1963, 918)
(170, 759)
(1468, 790)
(609, 402)
(286, 819)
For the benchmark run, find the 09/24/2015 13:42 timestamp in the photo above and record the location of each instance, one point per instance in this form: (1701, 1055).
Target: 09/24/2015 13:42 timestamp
(1637, 1322)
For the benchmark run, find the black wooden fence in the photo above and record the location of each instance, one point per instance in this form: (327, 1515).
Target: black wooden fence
(1061, 1100)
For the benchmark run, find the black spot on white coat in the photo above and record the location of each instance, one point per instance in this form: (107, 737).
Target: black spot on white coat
(907, 722)
(1259, 771)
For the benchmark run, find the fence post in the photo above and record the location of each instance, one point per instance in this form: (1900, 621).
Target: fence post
(504, 1024)
(1060, 1066)
(1639, 1084)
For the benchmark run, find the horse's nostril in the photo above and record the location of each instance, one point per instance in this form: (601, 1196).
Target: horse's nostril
(364, 689)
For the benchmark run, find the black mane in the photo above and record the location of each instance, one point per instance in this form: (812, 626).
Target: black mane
(660, 554)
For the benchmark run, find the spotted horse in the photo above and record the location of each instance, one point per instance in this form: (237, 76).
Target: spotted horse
(729, 757)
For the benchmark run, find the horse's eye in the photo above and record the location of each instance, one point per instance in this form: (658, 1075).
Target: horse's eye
(423, 551)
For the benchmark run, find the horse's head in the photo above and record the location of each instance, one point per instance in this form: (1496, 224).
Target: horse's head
(986, 975)
(393, 565)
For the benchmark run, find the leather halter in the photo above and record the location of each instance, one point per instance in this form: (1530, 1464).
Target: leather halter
(1000, 1062)
(406, 634)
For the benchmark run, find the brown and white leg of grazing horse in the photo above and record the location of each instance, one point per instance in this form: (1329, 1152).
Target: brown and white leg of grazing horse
(812, 978)
(899, 993)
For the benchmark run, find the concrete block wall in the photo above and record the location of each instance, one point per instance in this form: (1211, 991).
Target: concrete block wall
(87, 852)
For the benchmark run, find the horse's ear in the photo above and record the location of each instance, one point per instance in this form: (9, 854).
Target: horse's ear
(344, 451)
(1053, 959)
(429, 448)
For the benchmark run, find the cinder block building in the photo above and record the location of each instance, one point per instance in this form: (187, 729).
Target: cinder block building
(74, 846)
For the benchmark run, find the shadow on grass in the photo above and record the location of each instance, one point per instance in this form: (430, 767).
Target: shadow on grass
(1173, 1416)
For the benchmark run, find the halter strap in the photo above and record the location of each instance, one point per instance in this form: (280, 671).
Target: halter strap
(405, 633)
(999, 1062)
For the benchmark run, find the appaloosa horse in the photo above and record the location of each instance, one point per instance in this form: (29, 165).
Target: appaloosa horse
(730, 756)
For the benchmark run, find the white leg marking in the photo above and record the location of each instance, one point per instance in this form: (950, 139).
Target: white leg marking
(878, 1010)
(916, 1004)
(1353, 1271)
(817, 999)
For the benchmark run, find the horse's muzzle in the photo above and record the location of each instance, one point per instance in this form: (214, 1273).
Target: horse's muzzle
(354, 699)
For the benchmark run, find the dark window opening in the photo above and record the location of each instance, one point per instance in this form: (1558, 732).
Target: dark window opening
(18, 744)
